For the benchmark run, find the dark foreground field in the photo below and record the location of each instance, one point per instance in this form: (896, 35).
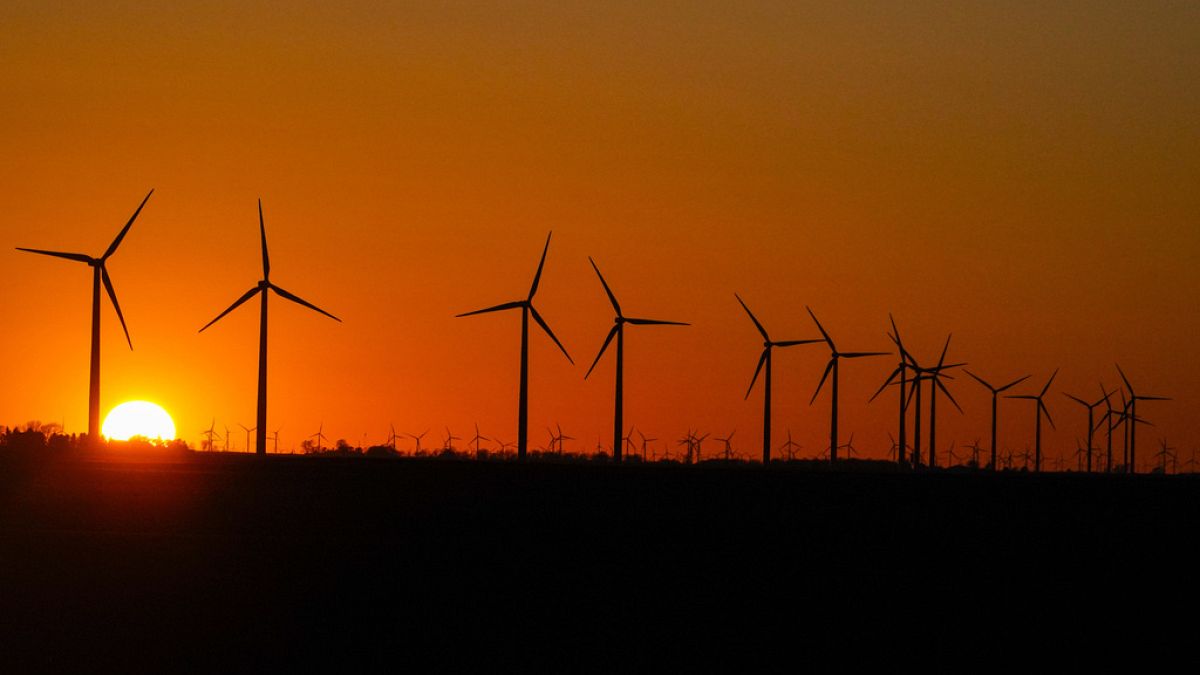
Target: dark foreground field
(114, 561)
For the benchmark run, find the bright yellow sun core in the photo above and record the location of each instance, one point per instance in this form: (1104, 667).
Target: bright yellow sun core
(138, 418)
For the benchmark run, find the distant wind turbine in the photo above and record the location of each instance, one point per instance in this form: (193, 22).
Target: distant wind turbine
(1039, 409)
(996, 391)
(834, 357)
(765, 360)
(99, 276)
(247, 430)
(261, 288)
(1134, 397)
(1091, 424)
(618, 330)
(901, 372)
(935, 375)
(319, 436)
(527, 309)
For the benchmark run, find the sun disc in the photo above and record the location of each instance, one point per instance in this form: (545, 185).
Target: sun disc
(138, 418)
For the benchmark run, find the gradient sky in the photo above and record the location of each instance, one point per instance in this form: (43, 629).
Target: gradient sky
(1022, 174)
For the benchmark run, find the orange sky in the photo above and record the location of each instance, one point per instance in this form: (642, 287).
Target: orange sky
(1022, 175)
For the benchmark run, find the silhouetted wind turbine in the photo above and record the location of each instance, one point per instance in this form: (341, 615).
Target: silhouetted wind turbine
(210, 433)
(728, 446)
(320, 436)
(901, 371)
(262, 287)
(618, 330)
(1039, 409)
(789, 446)
(1134, 397)
(765, 359)
(834, 358)
(1165, 453)
(936, 375)
(417, 438)
(995, 408)
(99, 276)
(247, 430)
(527, 308)
(478, 438)
(1091, 407)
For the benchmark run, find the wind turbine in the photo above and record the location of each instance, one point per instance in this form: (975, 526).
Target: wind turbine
(320, 436)
(936, 374)
(1041, 408)
(527, 308)
(262, 287)
(210, 433)
(417, 438)
(1091, 408)
(834, 358)
(765, 359)
(247, 430)
(99, 276)
(728, 445)
(618, 330)
(1164, 453)
(996, 391)
(901, 371)
(450, 438)
(1134, 397)
(477, 438)
(789, 446)
(645, 441)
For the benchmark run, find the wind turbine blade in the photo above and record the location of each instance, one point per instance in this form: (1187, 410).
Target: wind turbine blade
(655, 322)
(1125, 379)
(821, 328)
(1047, 387)
(1012, 384)
(761, 360)
(1076, 399)
(753, 318)
(497, 308)
(937, 381)
(945, 348)
(542, 322)
(980, 380)
(1047, 411)
(77, 257)
(112, 248)
(828, 367)
(611, 298)
(859, 355)
(249, 294)
(1153, 398)
(793, 343)
(537, 278)
(1024, 396)
(301, 301)
(262, 230)
(895, 331)
(611, 334)
(112, 295)
(885, 384)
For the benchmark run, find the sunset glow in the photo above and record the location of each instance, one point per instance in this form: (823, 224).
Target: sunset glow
(138, 418)
(1021, 176)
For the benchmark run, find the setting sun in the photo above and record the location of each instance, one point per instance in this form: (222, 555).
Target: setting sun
(138, 418)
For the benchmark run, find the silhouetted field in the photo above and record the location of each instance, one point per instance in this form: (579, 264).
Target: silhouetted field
(240, 558)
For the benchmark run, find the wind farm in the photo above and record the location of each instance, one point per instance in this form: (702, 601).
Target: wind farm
(412, 471)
